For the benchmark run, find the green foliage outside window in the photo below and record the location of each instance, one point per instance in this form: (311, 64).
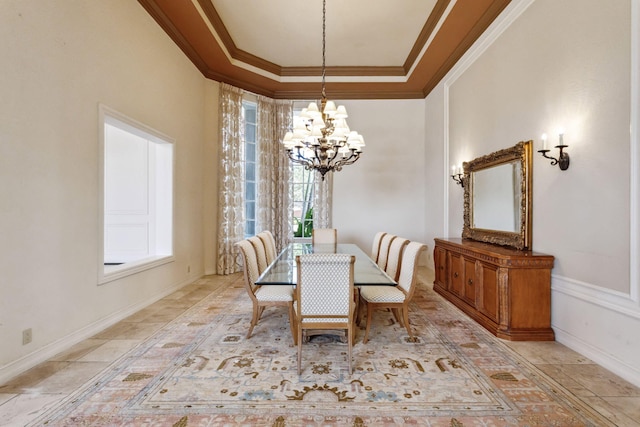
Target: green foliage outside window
(305, 226)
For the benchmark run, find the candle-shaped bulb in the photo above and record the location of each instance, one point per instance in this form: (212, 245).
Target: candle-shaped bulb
(560, 139)
(544, 141)
(453, 170)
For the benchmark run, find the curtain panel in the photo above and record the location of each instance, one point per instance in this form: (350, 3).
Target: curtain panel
(230, 179)
(274, 203)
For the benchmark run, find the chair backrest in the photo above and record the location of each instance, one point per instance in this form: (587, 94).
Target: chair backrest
(250, 264)
(269, 245)
(375, 248)
(408, 276)
(261, 253)
(324, 235)
(394, 260)
(383, 255)
(325, 285)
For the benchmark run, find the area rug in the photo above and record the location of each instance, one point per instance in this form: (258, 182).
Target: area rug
(200, 370)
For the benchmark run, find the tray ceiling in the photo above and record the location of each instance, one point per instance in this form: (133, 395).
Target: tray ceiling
(382, 49)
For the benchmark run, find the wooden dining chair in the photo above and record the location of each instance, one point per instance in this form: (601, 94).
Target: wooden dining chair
(325, 296)
(324, 236)
(261, 253)
(375, 248)
(394, 260)
(269, 245)
(264, 296)
(383, 255)
(396, 298)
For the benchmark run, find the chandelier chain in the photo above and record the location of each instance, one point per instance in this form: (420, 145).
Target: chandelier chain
(324, 43)
(321, 139)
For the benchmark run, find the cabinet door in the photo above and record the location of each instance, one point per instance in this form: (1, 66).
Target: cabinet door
(488, 300)
(440, 262)
(470, 281)
(456, 272)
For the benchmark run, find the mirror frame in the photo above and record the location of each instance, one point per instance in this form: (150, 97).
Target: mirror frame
(521, 239)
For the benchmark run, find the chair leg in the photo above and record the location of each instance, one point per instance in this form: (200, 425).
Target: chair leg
(299, 350)
(350, 341)
(397, 316)
(254, 319)
(366, 331)
(292, 324)
(405, 315)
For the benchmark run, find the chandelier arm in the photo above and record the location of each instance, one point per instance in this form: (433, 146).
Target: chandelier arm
(299, 158)
(349, 160)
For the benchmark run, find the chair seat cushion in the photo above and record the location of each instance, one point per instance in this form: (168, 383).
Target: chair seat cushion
(274, 293)
(324, 320)
(382, 294)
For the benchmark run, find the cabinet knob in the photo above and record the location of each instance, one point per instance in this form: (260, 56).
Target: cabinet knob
(455, 274)
(470, 281)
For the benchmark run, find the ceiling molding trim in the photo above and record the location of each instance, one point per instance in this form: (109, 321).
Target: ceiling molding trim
(166, 24)
(488, 17)
(443, 18)
(339, 71)
(426, 35)
(510, 13)
(235, 55)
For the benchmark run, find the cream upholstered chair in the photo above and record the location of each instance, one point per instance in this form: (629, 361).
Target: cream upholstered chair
(375, 247)
(325, 296)
(264, 296)
(324, 236)
(395, 297)
(394, 260)
(383, 255)
(269, 245)
(261, 253)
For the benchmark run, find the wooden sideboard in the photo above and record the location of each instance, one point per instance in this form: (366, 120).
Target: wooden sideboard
(507, 291)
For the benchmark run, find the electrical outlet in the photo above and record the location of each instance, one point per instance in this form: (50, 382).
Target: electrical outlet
(27, 336)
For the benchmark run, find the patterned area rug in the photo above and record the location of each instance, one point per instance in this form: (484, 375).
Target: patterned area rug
(200, 370)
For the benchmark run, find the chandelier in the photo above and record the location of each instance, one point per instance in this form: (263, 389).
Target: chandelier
(321, 139)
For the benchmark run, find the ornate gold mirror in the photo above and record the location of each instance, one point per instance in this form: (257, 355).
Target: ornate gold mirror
(497, 197)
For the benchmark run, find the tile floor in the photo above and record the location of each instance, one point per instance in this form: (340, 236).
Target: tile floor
(26, 396)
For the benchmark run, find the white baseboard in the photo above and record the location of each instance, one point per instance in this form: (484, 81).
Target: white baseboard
(598, 323)
(43, 354)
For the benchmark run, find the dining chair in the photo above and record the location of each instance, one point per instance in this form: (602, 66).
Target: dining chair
(383, 255)
(394, 259)
(396, 298)
(375, 248)
(269, 245)
(264, 296)
(324, 298)
(261, 253)
(324, 236)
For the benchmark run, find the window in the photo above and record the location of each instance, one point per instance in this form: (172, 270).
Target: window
(137, 196)
(249, 115)
(301, 187)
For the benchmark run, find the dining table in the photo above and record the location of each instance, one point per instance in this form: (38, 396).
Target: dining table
(366, 272)
(283, 270)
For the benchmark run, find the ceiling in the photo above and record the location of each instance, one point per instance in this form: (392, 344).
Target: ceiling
(382, 49)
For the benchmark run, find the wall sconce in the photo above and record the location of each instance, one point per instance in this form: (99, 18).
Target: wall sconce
(456, 174)
(563, 159)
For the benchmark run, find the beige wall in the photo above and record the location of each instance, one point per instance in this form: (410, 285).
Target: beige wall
(547, 64)
(59, 61)
(384, 190)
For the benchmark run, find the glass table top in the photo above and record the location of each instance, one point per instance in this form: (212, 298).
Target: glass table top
(283, 270)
